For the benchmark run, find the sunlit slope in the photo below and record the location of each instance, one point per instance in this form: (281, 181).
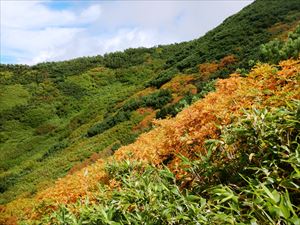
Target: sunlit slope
(265, 87)
(59, 117)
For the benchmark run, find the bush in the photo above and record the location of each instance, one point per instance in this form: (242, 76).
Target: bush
(148, 196)
(250, 175)
(204, 88)
(162, 78)
(36, 116)
(45, 129)
(116, 146)
(109, 122)
(54, 148)
(172, 110)
(277, 50)
(72, 89)
(130, 57)
(260, 178)
(156, 100)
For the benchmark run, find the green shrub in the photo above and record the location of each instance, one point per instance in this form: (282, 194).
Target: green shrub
(116, 146)
(59, 70)
(204, 88)
(162, 78)
(277, 50)
(130, 57)
(54, 148)
(36, 116)
(258, 184)
(172, 110)
(148, 196)
(72, 89)
(109, 122)
(155, 100)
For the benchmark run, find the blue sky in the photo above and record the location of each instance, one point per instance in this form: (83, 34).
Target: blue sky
(59, 5)
(38, 30)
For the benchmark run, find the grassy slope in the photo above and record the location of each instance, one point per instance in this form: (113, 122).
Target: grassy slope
(43, 139)
(44, 128)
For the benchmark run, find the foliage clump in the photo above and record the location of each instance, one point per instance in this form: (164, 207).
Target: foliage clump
(251, 174)
(277, 50)
(155, 100)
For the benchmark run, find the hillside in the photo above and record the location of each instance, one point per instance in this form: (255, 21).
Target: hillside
(69, 118)
(211, 149)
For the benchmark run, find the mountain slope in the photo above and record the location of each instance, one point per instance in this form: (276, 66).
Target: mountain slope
(265, 93)
(59, 117)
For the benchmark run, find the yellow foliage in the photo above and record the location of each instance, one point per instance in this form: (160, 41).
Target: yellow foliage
(206, 69)
(178, 83)
(144, 92)
(185, 134)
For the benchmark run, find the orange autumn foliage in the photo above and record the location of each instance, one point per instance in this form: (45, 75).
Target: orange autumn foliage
(145, 110)
(227, 60)
(177, 83)
(147, 121)
(105, 153)
(206, 69)
(185, 134)
(148, 114)
(176, 98)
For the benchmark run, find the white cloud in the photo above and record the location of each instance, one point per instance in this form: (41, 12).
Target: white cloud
(32, 32)
(36, 15)
(91, 14)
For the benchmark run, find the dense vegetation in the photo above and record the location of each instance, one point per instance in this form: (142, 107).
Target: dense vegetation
(277, 50)
(235, 162)
(260, 184)
(212, 164)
